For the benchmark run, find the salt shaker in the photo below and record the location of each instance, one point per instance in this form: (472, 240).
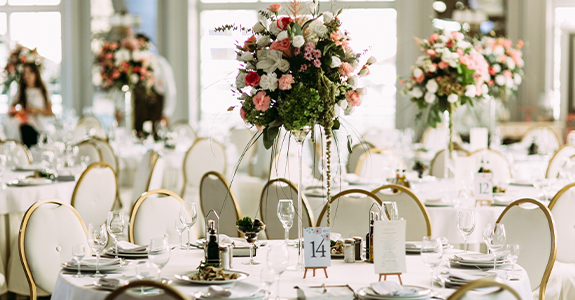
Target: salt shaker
(358, 240)
(224, 257)
(349, 251)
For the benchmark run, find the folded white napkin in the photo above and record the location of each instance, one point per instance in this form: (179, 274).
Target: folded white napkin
(126, 246)
(238, 290)
(469, 275)
(91, 262)
(391, 288)
(112, 282)
(478, 257)
(413, 245)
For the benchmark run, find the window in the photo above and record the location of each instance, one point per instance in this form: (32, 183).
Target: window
(217, 65)
(34, 24)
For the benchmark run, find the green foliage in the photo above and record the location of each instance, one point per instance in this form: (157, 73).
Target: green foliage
(245, 222)
(302, 107)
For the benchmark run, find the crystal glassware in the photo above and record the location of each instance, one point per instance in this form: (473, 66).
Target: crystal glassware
(443, 271)
(180, 228)
(159, 254)
(143, 271)
(115, 225)
(97, 239)
(466, 224)
(277, 261)
(495, 238)
(78, 252)
(431, 253)
(251, 235)
(267, 279)
(189, 216)
(390, 210)
(513, 255)
(286, 213)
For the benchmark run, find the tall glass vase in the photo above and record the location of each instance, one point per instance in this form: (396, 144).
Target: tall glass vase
(299, 136)
(449, 163)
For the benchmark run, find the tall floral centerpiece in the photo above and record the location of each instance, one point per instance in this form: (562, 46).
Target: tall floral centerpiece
(15, 64)
(450, 73)
(297, 71)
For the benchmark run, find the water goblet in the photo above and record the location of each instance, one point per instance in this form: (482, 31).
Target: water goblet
(513, 255)
(97, 239)
(159, 254)
(78, 252)
(443, 271)
(115, 225)
(431, 253)
(143, 271)
(466, 224)
(188, 217)
(495, 238)
(286, 214)
(180, 228)
(267, 279)
(277, 261)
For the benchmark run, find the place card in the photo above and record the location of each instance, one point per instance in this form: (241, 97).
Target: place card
(316, 244)
(484, 186)
(389, 247)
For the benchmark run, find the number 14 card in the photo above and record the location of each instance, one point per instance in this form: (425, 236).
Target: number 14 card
(317, 250)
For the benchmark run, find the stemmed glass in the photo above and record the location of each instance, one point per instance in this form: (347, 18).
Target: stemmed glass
(494, 237)
(513, 257)
(180, 228)
(189, 219)
(267, 279)
(97, 239)
(277, 261)
(431, 253)
(286, 213)
(78, 252)
(390, 210)
(159, 254)
(466, 224)
(115, 225)
(143, 270)
(443, 271)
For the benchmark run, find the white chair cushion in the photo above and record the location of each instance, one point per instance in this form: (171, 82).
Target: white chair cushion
(90, 150)
(214, 195)
(543, 137)
(350, 215)
(561, 284)
(107, 153)
(157, 174)
(353, 159)
(51, 231)
(437, 167)
(94, 195)
(497, 162)
(240, 138)
(22, 158)
(559, 160)
(408, 209)
(142, 176)
(204, 156)
(565, 225)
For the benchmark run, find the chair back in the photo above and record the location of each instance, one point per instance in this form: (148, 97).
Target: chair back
(22, 155)
(562, 207)
(437, 165)
(543, 136)
(537, 258)
(88, 149)
(107, 153)
(216, 194)
(379, 164)
(558, 160)
(285, 165)
(184, 130)
(275, 190)
(350, 212)
(48, 230)
(169, 293)
(204, 155)
(409, 207)
(461, 292)
(497, 162)
(88, 126)
(154, 215)
(356, 152)
(144, 174)
(242, 138)
(95, 193)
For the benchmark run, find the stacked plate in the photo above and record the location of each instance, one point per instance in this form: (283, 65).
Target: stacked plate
(415, 247)
(476, 260)
(30, 182)
(387, 290)
(128, 250)
(458, 278)
(238, 291)
(89, 265)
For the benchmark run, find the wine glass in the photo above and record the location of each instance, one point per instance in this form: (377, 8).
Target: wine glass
(267, 279)
(189, 219)
(97, 239)
(466, 224)
(143, 270)
(286, 213)
(180, 228)
(443, 271)
(431, 253)
(494, 237)
(513, 250)
(159, 253)
(277, 261)
(115, 225)
(78, 252)
(390, 210)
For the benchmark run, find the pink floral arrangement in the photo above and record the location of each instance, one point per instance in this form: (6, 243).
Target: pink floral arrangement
(14, 66)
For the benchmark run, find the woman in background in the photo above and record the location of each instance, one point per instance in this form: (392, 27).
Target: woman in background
(31, 104)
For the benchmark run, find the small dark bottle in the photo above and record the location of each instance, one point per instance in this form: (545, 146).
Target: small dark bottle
(213, 249)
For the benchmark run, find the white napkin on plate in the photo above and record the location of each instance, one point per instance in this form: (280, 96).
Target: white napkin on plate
(91, 262)
(238, 290)
(469, 275)
(391, 288)
(126, 246)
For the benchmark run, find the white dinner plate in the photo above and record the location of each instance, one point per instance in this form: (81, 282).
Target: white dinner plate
(187, 277)
(111, 252)
(368, 293)
(105, 265)
(30, 182)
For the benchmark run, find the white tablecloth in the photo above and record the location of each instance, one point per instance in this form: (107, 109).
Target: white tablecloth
(357, 275)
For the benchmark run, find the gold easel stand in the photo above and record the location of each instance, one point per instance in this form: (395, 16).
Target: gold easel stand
(315, 268)
(385, 276)
(482, 202)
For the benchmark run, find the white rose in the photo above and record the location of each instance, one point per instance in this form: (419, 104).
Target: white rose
(452, 98)
(274, 28)
(463, 45)
(509, 82)
(416, 93)
(498, 50)
(520, 63)
(443, 38)
(134, 78)
(484, 89)
(246, 56)
(269, 82)
(312, 7)
(430, 97)
(432, 68)
(320, 30)
(263, 40)
(510, 63)
(284, 65)
(432, 86)
(327, 17)
(343, 104)
(282, 36)
(470, 91)
(122, 55)
(258, 27)
(241, 80)
(488, 51)
(500, 80)
(417, 72)
(96, 78)
(517, 79)
(352, 81)
(372, 60)
(298, 41)
(335, 62)
(497, 68)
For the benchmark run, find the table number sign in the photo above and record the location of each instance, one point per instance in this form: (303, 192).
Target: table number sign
(317, 250)
(389, 247)
(484, 186)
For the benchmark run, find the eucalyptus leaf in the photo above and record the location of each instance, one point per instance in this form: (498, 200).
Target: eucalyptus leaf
(270, 133)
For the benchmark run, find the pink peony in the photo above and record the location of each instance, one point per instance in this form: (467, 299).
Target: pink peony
(285, 82)
(243, 114)
(275, 7)
(456, 35)
(353, 98)
(261, 101)
(345, 69)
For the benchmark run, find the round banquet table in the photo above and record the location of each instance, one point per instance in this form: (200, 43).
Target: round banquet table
(14, 201)
(356, 275)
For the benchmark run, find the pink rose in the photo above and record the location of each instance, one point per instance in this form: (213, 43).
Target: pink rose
(420, 78)
(491, 71)
(520, 44)
(434, 37)
(459, 51)
(275, 7)
(464, 60)
(243, 114)
(507, 43)
(261, 101)
(490, 82)
(449, 44)
(249, 42)
(283, 22)
(442, 65)
(456, 35)
(345, 69)
(252, 79)
(282, 45)
(507, 74)
(353, 98)
(431, 53)
(285, 82)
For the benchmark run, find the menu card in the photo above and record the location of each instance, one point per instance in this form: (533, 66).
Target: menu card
(389, 246)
